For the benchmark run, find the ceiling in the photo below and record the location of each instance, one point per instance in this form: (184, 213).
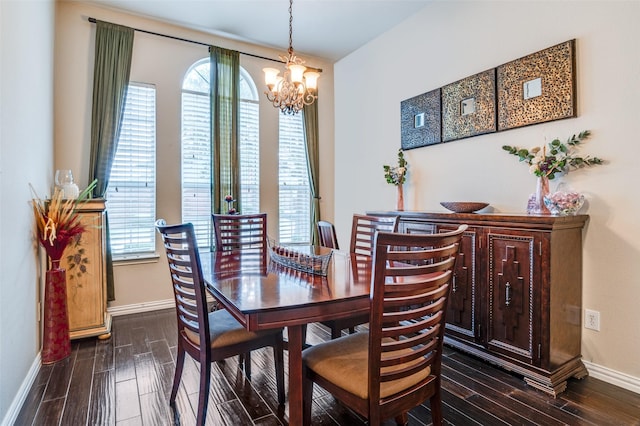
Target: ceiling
(329, 29)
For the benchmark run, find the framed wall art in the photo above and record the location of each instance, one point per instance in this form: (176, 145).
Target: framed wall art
(469, 106)
(537, 88)
(420, 120)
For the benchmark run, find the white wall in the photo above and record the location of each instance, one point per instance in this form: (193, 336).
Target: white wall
(26, 157)
(448, 41)
(164, 62)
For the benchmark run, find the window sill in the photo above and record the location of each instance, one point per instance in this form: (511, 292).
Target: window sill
(135, 259)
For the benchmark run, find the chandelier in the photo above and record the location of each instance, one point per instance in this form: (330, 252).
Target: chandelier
(295, 88)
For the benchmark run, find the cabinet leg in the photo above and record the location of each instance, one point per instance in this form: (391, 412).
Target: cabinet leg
(104, 336)
(556, 383)
(553, 390)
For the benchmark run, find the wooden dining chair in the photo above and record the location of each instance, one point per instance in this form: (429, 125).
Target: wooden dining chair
(364, 228)
(240, 231)
(207, 336)
(395, 366)
(327, 234)
(363, 231)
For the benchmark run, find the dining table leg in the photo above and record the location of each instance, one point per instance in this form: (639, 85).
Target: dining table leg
(294, 334)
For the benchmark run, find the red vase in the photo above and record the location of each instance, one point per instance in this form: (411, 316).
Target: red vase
(56, 344)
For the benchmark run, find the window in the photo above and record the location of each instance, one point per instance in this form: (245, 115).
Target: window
(131, 193)
(249, 145)
(293, 182)
(196, 150)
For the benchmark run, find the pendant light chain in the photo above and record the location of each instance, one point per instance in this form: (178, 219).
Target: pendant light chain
(290, 27)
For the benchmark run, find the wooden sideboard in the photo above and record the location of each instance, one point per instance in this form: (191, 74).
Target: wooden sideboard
(84, 262)
(516, 297)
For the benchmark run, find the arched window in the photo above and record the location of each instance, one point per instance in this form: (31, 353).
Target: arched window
(249, 144)
(196, 149)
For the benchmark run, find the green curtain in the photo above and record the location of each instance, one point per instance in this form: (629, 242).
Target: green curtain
(112, 65)
(310, 120)
(225, 95)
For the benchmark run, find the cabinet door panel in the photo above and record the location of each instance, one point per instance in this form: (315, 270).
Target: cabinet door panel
(463, 306)
(513, 313)
(84, 261)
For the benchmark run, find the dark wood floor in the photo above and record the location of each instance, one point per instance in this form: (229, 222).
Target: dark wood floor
(126, 380)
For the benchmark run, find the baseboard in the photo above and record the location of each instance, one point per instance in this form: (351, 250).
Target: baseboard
(613, 377)
(141, 307)
(23, 392)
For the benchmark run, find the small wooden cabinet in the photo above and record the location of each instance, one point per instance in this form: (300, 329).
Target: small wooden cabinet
(516, 296)
(84, 262)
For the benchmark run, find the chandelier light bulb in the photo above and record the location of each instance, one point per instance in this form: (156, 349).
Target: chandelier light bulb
(270, 77)
(311, 80)
(296, 72)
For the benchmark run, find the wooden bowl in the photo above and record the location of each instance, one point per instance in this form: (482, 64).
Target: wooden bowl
(463, 206)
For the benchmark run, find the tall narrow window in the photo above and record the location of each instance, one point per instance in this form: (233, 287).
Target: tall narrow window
(196, 150)
(131, 193)
(249, 145)
(293, 181)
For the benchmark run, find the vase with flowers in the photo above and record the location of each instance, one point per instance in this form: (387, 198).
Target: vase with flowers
(550, 161)
(230, 209)
(57, 224)
(396, 175)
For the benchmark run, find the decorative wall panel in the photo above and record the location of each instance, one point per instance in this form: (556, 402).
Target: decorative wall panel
(469, 106)
(537, 88)
(420, 120)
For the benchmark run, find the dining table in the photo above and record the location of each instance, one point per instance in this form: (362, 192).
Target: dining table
(262, 294)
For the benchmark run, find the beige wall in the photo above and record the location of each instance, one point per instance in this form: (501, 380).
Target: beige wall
(26, 157)
(164, 62)
(448, 41)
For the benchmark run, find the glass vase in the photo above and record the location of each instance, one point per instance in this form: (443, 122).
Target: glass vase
(536, 200)
(64, 181)
(564, 201)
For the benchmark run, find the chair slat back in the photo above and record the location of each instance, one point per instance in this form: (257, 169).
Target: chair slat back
(240, 232)
(327, 234)
(364, 229)
(186, 277)
(410, 288)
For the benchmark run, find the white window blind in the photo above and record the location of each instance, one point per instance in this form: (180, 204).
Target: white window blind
(131, 194)
(293, 182)
(196, 166)
(196, 150)
(249, 145)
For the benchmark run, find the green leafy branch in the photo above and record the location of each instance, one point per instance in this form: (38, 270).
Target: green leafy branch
(557, 157)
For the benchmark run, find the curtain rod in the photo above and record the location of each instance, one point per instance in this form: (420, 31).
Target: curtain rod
(93, 21)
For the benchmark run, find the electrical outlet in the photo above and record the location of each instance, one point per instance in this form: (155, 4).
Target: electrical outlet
(592, 319)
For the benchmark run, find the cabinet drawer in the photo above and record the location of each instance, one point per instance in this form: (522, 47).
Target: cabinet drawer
(409, 227)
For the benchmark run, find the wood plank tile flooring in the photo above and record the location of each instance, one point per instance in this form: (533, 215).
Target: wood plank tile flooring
(126, 380)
